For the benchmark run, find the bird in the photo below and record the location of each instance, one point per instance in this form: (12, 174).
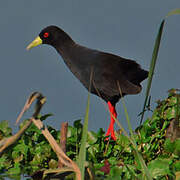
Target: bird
(106, 75)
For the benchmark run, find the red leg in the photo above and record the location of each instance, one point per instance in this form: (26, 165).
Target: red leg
(113, 115)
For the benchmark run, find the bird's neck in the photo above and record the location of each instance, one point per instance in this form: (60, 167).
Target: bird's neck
(65, 48)
(63, 42)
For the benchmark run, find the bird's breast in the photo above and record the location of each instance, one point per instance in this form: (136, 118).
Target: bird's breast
(79, 68)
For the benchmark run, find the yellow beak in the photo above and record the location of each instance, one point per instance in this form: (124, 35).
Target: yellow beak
(35, 43)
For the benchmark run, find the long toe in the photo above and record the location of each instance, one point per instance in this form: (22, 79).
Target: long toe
(113, 137)
(108, 133)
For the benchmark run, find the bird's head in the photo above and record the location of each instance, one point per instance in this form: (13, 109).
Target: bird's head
(51, 35)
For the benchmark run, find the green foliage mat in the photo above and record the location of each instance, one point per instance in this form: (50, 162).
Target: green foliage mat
(157, 140)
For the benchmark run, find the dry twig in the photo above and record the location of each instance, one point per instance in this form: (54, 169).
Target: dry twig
(63, 138)
(6, 142)
(65, 160)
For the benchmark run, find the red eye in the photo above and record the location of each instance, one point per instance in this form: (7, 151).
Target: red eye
(46, 34)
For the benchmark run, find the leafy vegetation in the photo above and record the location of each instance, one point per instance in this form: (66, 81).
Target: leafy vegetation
(152, 150)
(32, 155)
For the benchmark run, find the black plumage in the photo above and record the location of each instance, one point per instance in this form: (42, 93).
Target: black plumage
(109, 72)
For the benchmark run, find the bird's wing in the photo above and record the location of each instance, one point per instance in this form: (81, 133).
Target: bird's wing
(113, 72)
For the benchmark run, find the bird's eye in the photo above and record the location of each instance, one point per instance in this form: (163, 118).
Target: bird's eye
(46, 34)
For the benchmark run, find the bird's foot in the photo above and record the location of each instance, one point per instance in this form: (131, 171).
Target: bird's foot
(113, 114)
(111, 133)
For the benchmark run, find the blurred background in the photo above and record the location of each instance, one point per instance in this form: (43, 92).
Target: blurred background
(125, 28)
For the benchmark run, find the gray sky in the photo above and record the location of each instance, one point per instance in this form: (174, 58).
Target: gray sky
(126, 28)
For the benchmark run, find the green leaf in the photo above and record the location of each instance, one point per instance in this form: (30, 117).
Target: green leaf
(159, 167)
(176, 166)
(154, 58)
(152, 65)
(92, 137)
(137, 161)
(169, 146)
(4, 127)
(82, 153)
(133, 141)
(53, 164)
(132, 170)
(172, 101)
(22, 148)
(124, 142)
(177, 147)
(116, 173)
(77, 124)
(170, 113)
(173, 12)
(71, 132)
(5, 163)
(112, 160)
(44, 117)
(15, 170)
